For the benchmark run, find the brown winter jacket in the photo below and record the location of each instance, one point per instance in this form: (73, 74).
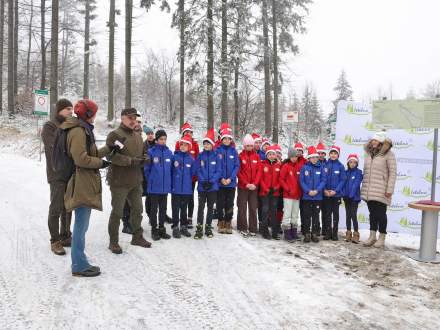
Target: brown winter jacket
(380, 172)
(122, 173)
(84, 188)
(48, 136)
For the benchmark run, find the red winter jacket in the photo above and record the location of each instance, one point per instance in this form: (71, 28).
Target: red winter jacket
(270, 177)
(250, 171)
(289, 180)
(301, 161)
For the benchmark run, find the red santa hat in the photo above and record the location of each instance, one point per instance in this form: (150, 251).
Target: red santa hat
(353, 157)
(226, 133)
(222, 127)
(186, 128)
(210, 136)
(186, 139)
(335, 148)
(271, 149)
(265, 141)
(277, 148)
(312, 152)
(299, 146)
(321, 148)
(256, 137)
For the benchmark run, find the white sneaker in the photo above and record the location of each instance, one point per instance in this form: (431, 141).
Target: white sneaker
(252, 234)
(244, 233)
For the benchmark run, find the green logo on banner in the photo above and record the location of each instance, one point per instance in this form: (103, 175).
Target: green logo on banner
(414, 193)
(354, 141)
(352, 110)
(362, 218)
(428, 177)
(406, 223)
(419, 131)
(369, 126)
(430, 145)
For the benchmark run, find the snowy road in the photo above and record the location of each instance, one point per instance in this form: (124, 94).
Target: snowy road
(224, 283)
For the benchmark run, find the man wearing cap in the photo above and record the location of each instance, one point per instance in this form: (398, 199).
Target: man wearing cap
(60, 236)
(125, 178)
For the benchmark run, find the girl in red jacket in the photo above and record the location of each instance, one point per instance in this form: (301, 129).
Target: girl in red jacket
(289, 180)
(248, 180)
(270, 191)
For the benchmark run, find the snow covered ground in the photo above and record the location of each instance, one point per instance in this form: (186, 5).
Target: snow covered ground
(227, 282)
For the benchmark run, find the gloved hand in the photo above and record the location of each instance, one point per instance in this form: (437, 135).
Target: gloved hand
(206, 185)
(114, 148)
(105, 163)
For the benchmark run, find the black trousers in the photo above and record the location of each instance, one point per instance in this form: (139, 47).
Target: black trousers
(331, 213)
(378, 216)
(351, 208)
(158, 207)
(225, 204)
(148, 205)
(311, 216)
(302, 216)
(269, 212)
(191, 202)
(208, 198)
(180, 206)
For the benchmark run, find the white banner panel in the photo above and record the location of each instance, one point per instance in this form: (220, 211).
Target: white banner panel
(413, 149)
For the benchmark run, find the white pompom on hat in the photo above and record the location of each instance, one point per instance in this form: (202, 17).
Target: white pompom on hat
(379, 136)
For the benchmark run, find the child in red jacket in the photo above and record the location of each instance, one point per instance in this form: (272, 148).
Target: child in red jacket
(248, 180)
(289, 180)
(270, 191)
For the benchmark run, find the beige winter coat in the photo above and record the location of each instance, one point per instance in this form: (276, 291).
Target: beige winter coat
(380, 172)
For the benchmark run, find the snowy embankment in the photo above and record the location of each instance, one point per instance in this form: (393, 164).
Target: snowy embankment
(227, 282)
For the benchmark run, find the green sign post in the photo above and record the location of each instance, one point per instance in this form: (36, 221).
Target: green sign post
(406, 114)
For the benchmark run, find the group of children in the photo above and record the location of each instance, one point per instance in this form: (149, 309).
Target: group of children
(272, 193)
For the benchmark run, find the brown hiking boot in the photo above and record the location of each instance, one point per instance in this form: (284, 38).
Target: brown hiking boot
(115, 248)
(228, 228)
(221, 227)
(57, 248)
(139, 240)
(356, 237)
(67, 242)
(348, 236)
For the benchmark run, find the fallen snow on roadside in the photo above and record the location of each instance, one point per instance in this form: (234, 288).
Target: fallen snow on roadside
(227, 282)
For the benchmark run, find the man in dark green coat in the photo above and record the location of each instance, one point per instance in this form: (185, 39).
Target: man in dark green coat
(58, 219)
(125, 179)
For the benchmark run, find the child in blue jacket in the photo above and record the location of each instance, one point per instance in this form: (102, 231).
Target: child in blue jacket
(333, 191)
(230, 164)
(352, 197)
(312, 180)
(183, 170)
(158, 175)
(208, 176)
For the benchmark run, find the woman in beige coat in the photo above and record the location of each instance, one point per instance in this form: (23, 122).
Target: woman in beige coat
(380, 171)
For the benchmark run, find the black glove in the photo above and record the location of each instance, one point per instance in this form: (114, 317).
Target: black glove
(105, 163)
(114, 148)
(206, 185)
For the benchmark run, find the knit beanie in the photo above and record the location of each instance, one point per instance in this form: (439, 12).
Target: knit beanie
(62, 104)
(248, 140)
(148, 130)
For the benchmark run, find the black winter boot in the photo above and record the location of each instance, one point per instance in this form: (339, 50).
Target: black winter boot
(315, 238)
(176, 232)
(184, 231)
(163, 233)
(155, 234)
(307, 238)
(335, 234)
(199, 232)
(265, 232)
(208, 231)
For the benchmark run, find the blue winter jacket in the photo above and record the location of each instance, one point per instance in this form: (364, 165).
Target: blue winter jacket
(208, 169)
(262, 154)
(183, 170)
(335, 173)
(352, 187)
(229, 164)
(158, 171)
(312, 177)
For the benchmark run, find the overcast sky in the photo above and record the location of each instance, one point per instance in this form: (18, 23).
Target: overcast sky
(379, 43)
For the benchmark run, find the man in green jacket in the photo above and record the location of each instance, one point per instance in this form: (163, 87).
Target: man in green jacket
(58, 219)
(125, 179)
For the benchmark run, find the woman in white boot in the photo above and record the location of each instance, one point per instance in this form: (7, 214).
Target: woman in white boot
(380, 171)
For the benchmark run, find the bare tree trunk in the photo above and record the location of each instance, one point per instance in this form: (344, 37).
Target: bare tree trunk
(54, 58)
(224, 62)
(111, 63)
(16, 49)
(86, 48)
(128, 28)
(2, 44)
(43, 44)
(64, 52)
(28, 59)
(236, 80)
(11, 96)
(210, 71)
(275, 72)
(182, 63)
(267, 98)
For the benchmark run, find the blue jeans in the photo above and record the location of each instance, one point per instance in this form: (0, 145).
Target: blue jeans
(81, 224)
